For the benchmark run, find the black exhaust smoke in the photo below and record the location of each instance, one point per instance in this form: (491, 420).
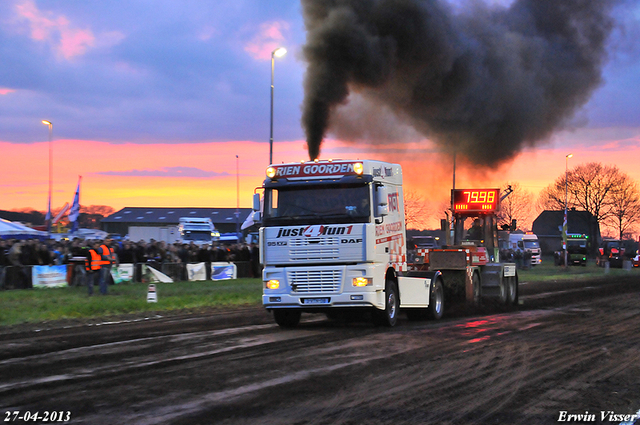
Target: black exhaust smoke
(484, 82)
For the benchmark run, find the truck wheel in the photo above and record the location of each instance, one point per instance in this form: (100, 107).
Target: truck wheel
(287, 318)
(477, 290)
(503, 288)
(436, 300)
(388, 316)
(512, 290)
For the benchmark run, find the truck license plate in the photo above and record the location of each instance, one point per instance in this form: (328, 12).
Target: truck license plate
(315, 301)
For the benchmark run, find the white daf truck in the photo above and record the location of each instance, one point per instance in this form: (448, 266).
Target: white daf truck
(199, 230)
(526, 242)
(333, 237)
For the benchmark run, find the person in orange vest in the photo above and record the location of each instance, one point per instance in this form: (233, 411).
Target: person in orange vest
(109, 258)
(92, 264)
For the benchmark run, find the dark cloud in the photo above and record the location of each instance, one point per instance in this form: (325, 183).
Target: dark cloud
(485, 81)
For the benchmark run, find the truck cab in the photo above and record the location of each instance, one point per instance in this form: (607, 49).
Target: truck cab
(333, 237)
(199, 230)
(526, 242)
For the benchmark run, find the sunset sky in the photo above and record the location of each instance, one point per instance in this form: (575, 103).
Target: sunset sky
(151, 102)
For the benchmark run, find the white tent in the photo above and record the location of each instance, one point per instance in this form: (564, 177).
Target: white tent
(12, 230)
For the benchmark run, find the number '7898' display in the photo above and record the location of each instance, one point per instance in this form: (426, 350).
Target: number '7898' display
(475, 200)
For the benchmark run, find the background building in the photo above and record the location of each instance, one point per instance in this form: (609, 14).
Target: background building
(165, 220)
(548, 228)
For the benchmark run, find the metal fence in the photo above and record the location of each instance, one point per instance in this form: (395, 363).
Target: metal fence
(20, 277)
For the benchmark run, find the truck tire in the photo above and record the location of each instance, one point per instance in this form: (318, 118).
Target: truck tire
(512, 290)
(502, 291)
(389, 316)
(477, 290)
(287, 318)
(436, 300)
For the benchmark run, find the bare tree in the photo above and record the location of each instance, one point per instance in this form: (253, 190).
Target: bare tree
(416, 211)
(591, 187)
(594, 188)
(103, 210)
(517, 206)
(551, 198)
(625, 207)
(610, 195)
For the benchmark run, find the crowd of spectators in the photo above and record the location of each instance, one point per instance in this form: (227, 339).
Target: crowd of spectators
(35, 252)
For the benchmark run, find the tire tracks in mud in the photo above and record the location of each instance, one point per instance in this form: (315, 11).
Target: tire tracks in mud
(525, 374)
(514, 367)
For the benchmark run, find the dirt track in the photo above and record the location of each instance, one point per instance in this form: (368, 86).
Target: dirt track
(566, 348)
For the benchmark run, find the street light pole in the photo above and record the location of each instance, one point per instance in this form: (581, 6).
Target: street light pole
(48, 219)
(566, 199)
(452, 223)
(237, 199)
(279, 52)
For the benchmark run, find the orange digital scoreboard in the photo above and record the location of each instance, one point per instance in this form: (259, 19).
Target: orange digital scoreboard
(474, 201)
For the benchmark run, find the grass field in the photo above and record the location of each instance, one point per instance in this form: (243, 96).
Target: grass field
(548, 271)
(41, 305)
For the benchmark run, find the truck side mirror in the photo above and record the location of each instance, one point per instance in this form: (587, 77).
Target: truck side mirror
(257, 217)
(383, 201)
(256, 202)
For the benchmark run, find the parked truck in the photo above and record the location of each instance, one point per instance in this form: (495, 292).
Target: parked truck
(168, 234)
(333, 238)
(199, 230)
(527, 242)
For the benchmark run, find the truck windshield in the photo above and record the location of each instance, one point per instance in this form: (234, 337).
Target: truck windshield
(194, 235)
(528, 244)
(295, 205)
(577, 246)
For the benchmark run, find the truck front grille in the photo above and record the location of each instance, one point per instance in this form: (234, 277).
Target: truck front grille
(312, 249)
(315, 281)
(314, 254)
(314, 241)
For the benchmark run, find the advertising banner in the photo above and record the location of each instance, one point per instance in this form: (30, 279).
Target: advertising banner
(151, 275)
(49, 276)
(122, 274)
(222, 271)
(197, 271)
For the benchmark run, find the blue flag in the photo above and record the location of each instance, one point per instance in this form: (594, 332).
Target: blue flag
(74, 212)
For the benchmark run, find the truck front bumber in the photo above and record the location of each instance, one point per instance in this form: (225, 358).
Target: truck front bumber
(314, 287)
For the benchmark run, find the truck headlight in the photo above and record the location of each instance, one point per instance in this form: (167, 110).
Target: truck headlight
(271, 172)
(273, 284)
(362, 281)
(358, 167)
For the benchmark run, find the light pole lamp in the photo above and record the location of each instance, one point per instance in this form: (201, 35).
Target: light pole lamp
(566, 200)
(48, 219)
(279, 52)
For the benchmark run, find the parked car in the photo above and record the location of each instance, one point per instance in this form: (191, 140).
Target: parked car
(421, 242)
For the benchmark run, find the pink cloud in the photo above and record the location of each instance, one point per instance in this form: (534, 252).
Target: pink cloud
(270, 36)
(44, 26)
(75, 42)
(4, 90)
